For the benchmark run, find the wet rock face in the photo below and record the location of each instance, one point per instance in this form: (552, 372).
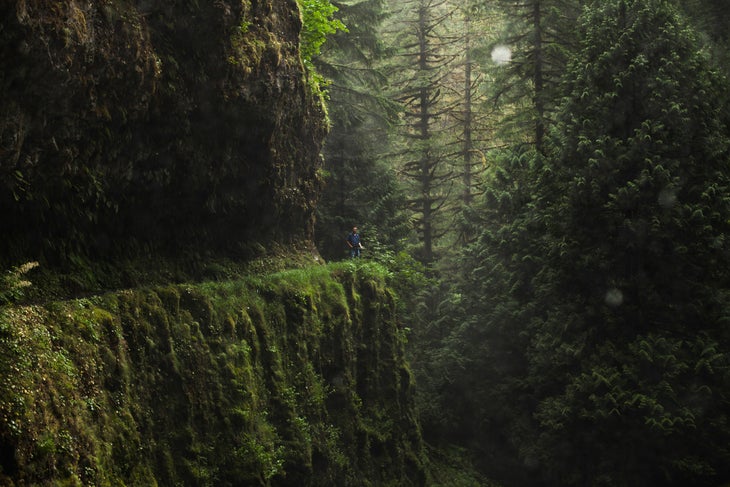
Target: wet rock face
(170, 120)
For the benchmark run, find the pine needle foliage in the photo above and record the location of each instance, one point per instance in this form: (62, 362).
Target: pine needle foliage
(597, 293)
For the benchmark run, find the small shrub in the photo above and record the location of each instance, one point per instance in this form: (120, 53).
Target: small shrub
(13, 283)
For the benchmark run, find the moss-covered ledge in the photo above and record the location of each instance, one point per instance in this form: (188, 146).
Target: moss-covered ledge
(294, 378)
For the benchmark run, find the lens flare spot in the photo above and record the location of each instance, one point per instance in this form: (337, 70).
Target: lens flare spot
(667, 198)
(614, 297)
(501, 54)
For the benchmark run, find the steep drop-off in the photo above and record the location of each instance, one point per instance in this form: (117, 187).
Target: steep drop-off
(153, 124)
(296, 378)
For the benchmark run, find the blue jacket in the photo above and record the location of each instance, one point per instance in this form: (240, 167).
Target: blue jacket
(354, 239)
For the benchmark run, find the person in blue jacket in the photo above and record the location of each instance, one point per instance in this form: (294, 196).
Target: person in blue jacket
(353, 241)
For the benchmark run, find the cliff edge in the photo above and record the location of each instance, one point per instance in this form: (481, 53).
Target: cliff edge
(288, 379)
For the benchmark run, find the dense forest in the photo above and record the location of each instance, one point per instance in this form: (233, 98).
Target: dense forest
(558, 171)
(542, 189)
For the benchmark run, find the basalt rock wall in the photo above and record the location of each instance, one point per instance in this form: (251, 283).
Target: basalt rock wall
(154, 124)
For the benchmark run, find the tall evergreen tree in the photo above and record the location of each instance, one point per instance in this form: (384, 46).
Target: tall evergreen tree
(422, 81)
(541, 35)
(598, 294)
(360, 188)
(472, 128)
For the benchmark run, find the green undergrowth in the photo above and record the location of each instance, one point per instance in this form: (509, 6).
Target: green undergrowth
(293, 377)
(451, 466)
(79, 275)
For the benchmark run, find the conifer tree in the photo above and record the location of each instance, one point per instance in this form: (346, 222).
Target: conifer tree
(360, 188)
(422, 82)
(540, 34)
(598, 292)
(472, 131)
(638, 247)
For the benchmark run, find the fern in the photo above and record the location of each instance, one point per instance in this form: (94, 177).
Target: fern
(13, 283)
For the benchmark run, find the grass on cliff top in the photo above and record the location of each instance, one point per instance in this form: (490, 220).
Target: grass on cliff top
(244, 366)
(81, 276)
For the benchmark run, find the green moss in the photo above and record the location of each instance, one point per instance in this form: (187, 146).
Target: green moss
(290, 378)
(452, 467)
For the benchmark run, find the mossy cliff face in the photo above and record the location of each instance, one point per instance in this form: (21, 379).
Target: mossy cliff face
(185, 123)
(294, 379)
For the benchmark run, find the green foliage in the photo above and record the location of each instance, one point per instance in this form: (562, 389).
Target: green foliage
(362, 192)
(541, 35)
(710, 18)
(292, 378)
(421, 150)
(361, 187)
(596, 294)
(450, 468)
(12, 283)
(318, 23)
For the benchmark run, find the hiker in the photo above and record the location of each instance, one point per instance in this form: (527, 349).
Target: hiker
(353, 241)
